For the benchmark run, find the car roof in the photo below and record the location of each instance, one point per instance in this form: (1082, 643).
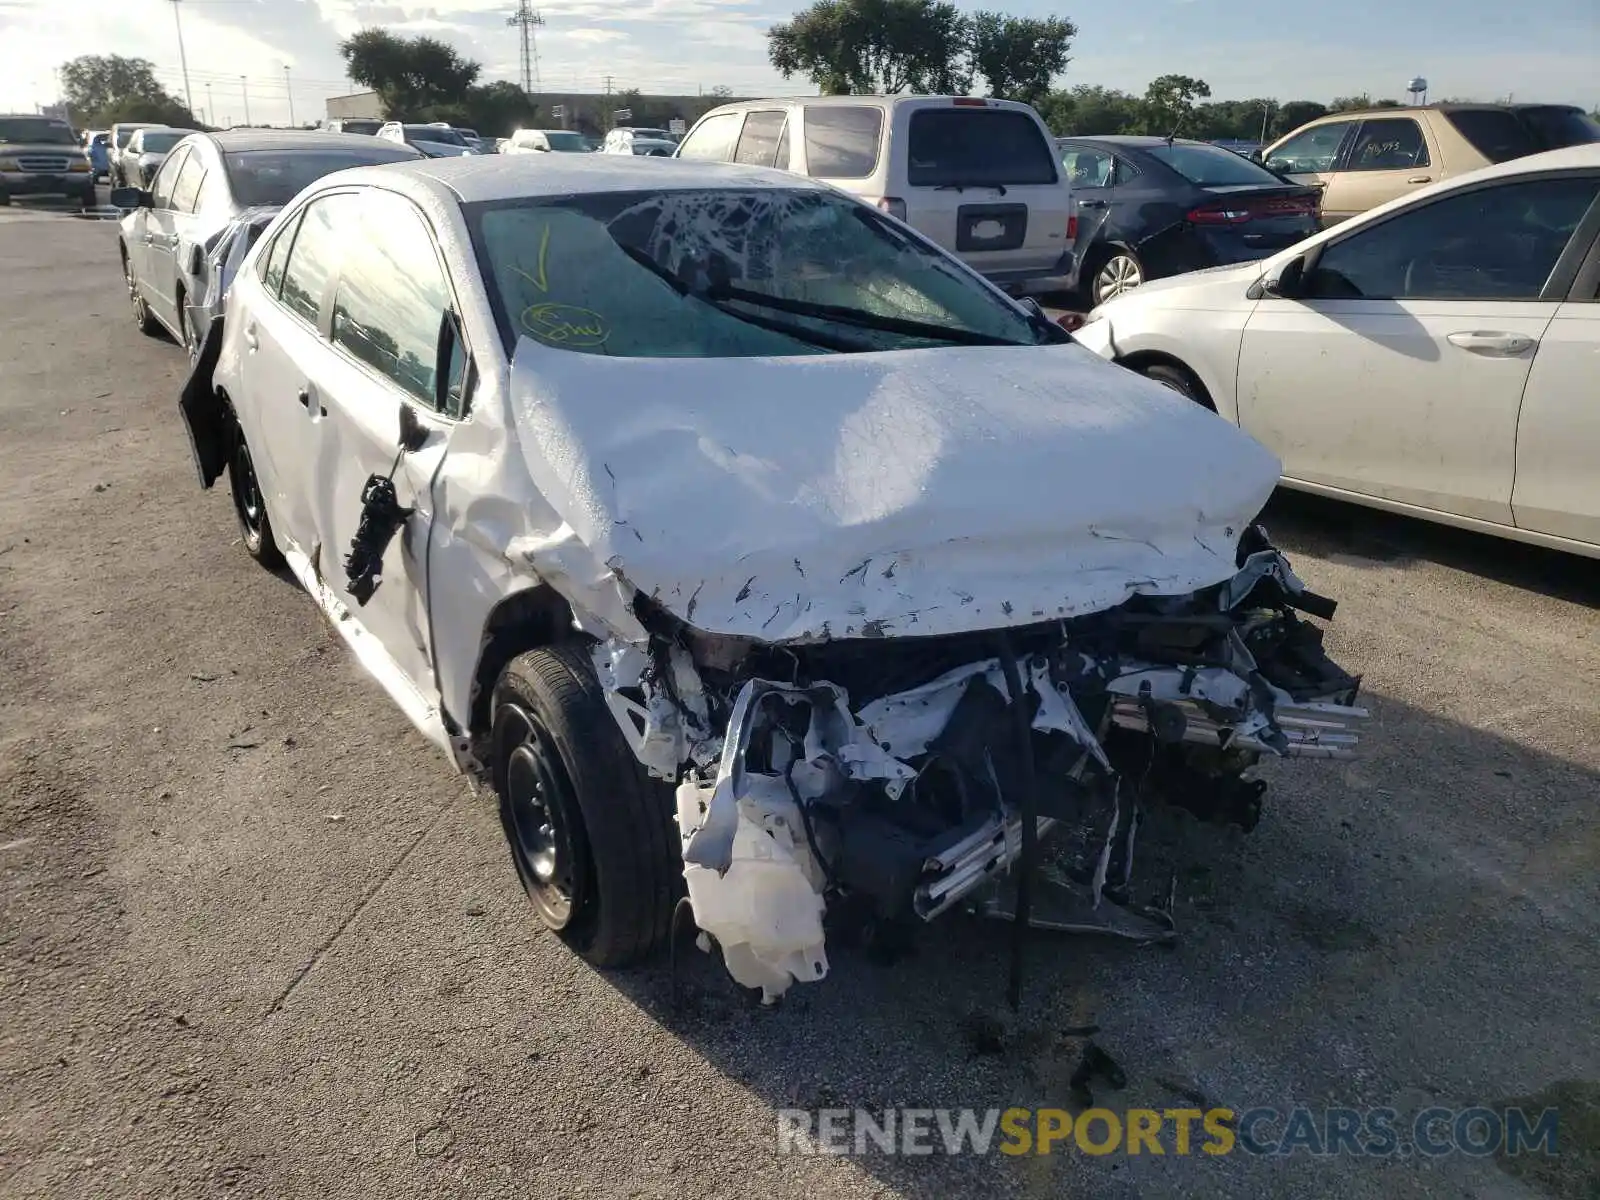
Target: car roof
(478, 178)
(232, 141)
(1136, 141)
(857, 101)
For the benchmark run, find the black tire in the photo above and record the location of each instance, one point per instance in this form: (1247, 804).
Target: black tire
(1179, 380)
(90, 198)
(5, 199)
(142, 317)
(1089, 280)
(249, 505)
(591, 836)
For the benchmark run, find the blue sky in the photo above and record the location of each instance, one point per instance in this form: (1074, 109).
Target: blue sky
(1543, 49)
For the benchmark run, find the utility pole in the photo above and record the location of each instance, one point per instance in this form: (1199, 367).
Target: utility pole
(290, 89)
(605, 112)
(529, 20)
(245, 84)
(183, 57)
(211, 105)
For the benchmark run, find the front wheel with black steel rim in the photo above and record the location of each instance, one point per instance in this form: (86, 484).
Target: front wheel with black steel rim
(1118, 273)
(590, 835)
(249, 506)
(142, 317)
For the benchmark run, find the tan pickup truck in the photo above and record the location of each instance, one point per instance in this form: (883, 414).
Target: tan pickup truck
(1363, 159)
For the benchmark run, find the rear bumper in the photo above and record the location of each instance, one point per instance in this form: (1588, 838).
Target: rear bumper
(1062, 275)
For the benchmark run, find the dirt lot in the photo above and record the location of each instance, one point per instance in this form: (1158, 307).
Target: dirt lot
(258, 940)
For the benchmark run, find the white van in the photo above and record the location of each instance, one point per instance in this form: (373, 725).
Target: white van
(979, 177)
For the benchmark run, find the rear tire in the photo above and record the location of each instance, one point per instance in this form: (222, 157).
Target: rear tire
(591, 836)
(250, 506)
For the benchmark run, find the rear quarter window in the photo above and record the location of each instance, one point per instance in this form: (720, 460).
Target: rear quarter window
(843, 141)
(1493, 133)
(951, 147)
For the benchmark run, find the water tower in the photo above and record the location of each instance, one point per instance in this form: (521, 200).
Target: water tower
(1417, 90)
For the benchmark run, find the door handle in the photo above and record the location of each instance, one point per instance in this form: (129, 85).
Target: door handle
(1091, 204)
(304, 396)
(1491, 343)
(250, 336)
(1420, 179)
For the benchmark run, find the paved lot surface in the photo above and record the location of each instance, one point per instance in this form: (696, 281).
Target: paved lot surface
(256, 939)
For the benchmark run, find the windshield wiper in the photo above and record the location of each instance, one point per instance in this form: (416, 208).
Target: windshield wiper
(799, 333)
(862, 319)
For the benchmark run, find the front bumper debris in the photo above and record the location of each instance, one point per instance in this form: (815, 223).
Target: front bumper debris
(896, 774)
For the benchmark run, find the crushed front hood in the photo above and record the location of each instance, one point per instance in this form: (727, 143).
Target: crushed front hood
(912, 493)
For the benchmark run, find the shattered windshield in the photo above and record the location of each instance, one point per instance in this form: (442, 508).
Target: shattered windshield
(727, 273)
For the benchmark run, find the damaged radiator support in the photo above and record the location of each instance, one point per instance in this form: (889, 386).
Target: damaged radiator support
(1312, 730)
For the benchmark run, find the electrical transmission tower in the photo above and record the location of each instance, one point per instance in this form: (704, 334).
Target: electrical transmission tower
(529, 20)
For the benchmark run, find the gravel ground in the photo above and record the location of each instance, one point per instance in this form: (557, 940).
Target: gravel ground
(258, 939)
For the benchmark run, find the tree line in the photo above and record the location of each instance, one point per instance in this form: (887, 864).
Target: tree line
(886, 46)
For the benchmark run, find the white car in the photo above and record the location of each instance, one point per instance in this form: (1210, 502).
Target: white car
(748, 542)
(981, 177)
(1437, 356)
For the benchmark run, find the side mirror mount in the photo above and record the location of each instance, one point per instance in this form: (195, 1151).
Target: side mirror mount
(1289, 282)
(130, 198)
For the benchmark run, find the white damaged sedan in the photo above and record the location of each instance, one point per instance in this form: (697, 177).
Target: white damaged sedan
(754, 548)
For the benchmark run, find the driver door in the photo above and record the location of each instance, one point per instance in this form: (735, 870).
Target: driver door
(389, 307)
(1312, 158)
(1397, 370)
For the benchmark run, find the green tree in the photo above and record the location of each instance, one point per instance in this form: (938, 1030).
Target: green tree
(409, 74)
(101, 90)
(1357, 103)
(869, 46)
(1169, 103)
(1088, 109)
(495, 110)
(1294, 114)
(1020, 57)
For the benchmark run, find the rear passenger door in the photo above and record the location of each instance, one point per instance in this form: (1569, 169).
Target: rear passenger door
(389, 305)
(1388, 157)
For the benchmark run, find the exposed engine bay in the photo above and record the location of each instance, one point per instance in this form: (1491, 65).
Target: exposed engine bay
(908, 775)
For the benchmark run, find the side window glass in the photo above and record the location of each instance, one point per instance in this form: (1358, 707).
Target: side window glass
(275, 255)
(758, 144)
(842, 140)
(1391, 144)
(314, 256)
(187, 188)
(161, 187)
(1310, 152)
(392, 296)
(1123, 171)
(1087, 168)
(713, 138)
(780, 158)
(1494, 243)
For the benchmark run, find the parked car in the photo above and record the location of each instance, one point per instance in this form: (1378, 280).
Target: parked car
(97, 144)
(1364, 159)
(121, 134)
(541, 141)
(645, 143)
(1435, 356)
(177, 236)
(433, 141)
(979, 177)
(39, 156)
(1149, 207)
(147, 149)
(666, 498)
(367, 126)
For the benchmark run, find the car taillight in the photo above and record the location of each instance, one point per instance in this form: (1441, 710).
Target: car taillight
(1072, 228)
(894, 206)
(970, 102)
(1235, 212)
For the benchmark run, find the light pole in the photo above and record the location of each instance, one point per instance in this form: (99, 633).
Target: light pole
(183, 57)
(211, 105)
(1266, 112)
(245, 84)
(289, 88)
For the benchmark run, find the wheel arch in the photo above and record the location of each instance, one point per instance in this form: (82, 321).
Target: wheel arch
(1140, 359)
(529, 619)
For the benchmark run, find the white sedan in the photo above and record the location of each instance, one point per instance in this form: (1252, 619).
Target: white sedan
(1437, 356)
(751, 545)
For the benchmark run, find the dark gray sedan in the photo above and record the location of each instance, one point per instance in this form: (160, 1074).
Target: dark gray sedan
(178, 234)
